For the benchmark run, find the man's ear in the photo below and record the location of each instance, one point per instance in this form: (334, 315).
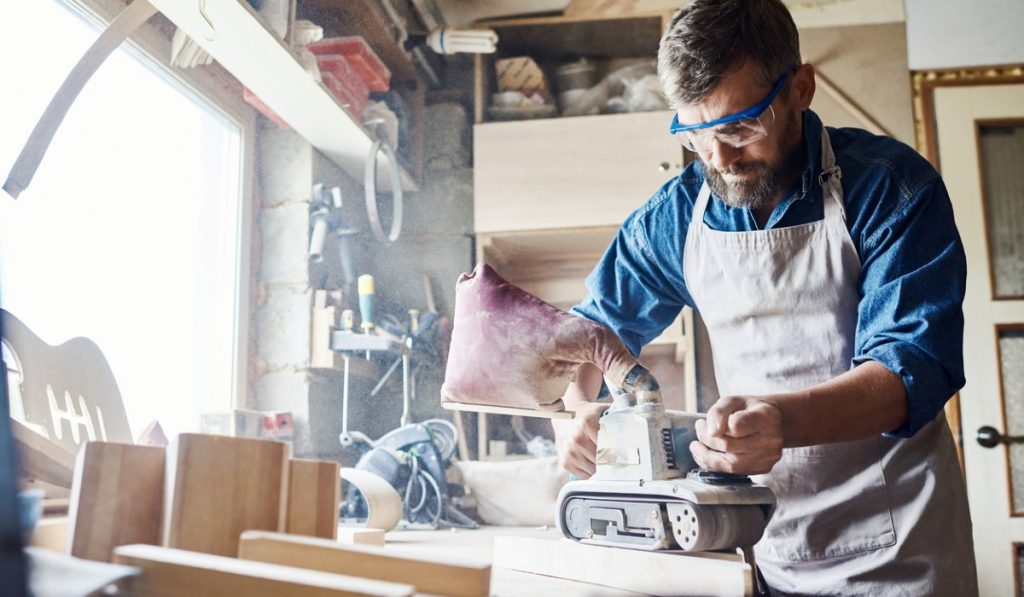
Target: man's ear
(802, 87)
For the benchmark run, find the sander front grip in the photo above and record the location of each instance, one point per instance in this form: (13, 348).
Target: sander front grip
(509, 348)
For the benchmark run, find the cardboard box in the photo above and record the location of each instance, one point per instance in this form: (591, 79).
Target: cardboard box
(520, 74)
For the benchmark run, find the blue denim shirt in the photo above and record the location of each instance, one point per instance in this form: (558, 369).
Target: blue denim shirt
(914, 271)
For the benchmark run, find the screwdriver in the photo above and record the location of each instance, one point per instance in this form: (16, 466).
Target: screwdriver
(366, 291)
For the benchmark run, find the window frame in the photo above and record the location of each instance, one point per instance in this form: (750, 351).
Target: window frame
(152, 41)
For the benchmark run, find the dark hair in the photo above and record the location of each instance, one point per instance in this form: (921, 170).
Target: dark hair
(710, 38)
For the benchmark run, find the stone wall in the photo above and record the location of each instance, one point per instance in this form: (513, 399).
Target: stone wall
(435, 244)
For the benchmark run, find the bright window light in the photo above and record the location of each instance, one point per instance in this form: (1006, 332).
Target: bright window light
(128, 234)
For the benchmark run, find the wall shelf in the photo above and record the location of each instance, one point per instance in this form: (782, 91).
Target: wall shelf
(235, 36)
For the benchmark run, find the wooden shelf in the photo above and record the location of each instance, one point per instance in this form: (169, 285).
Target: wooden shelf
(234, 35)
(562, 37)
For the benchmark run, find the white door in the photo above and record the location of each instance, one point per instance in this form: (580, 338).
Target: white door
(981, 152)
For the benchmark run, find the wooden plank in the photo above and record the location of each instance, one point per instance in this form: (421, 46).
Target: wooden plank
(179, 573)
(42, 458)
(219, 486)
(314, 496)
(605, 9)
(506, 410)
(116, 498)
(650, 573)
(362, 536)
(51, 533)
(427, 573)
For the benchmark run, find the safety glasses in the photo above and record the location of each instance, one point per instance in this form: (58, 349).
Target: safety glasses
(739, 129)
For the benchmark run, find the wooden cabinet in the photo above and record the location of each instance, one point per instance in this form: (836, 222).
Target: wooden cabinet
(550, 194)
(569, 172)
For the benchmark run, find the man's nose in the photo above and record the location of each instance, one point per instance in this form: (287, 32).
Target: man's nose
(723, 155)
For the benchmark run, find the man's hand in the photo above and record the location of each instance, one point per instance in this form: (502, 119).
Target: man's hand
(741, 435)
(576, 439)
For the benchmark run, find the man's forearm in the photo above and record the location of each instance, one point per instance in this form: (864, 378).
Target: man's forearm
(867, 400)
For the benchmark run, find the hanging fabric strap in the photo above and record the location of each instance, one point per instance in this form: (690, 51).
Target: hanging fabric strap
(129, 19)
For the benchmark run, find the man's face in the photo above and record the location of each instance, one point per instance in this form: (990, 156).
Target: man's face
(754, 175)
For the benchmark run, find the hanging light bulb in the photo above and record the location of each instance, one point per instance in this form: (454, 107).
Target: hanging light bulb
(469, 41)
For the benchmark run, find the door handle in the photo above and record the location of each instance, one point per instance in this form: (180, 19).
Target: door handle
(989, 437)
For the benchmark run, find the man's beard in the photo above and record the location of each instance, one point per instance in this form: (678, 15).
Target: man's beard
(762, 181)
(756, 190)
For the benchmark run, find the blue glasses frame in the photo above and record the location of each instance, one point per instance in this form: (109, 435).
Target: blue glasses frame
(752, 112)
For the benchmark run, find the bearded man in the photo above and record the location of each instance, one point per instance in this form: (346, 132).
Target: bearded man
(830, 274)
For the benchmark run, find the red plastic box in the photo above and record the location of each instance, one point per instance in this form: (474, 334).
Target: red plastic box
(354, 100)
(360, 56)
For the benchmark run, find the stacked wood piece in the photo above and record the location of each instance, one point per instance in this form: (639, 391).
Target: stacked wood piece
(218, 487)
(116, 498)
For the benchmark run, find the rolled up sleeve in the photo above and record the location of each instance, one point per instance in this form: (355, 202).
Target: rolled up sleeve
(913, 279)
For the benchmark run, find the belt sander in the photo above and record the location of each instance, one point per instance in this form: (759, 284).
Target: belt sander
(511, 349)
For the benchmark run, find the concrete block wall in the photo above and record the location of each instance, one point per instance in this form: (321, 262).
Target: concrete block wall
(435, 242)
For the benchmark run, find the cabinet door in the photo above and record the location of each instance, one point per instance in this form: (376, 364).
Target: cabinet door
(569, 172)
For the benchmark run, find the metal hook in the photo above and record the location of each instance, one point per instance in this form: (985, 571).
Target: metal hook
(202, 12)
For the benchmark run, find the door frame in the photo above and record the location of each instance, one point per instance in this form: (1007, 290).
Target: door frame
(924, 83)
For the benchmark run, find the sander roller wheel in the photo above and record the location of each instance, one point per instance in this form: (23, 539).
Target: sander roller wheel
(706, 528)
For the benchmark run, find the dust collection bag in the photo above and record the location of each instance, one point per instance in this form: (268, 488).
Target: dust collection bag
(509, 348)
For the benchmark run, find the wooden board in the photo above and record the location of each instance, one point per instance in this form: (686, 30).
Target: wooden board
(649, 573)
(42, 458)
(51, 533)
(179, 573)
(219, 486)
(351, 536)
(314, 496)
(505, 410)
(116, 498)
(429, 574)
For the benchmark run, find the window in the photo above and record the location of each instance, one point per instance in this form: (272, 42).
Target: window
(129, 233)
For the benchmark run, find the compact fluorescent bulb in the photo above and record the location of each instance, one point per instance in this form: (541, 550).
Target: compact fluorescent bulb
(470, 41)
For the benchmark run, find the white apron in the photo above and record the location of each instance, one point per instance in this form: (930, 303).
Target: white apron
(880, 516)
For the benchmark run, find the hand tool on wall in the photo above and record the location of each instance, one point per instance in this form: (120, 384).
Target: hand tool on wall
(366, 292)
(511, 349)
(327, 216)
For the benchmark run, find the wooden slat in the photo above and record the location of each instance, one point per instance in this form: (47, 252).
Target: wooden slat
(219, 486)
(314, 496)
(645, 572)
(116, 499)
(179, 573)
(428, 574)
